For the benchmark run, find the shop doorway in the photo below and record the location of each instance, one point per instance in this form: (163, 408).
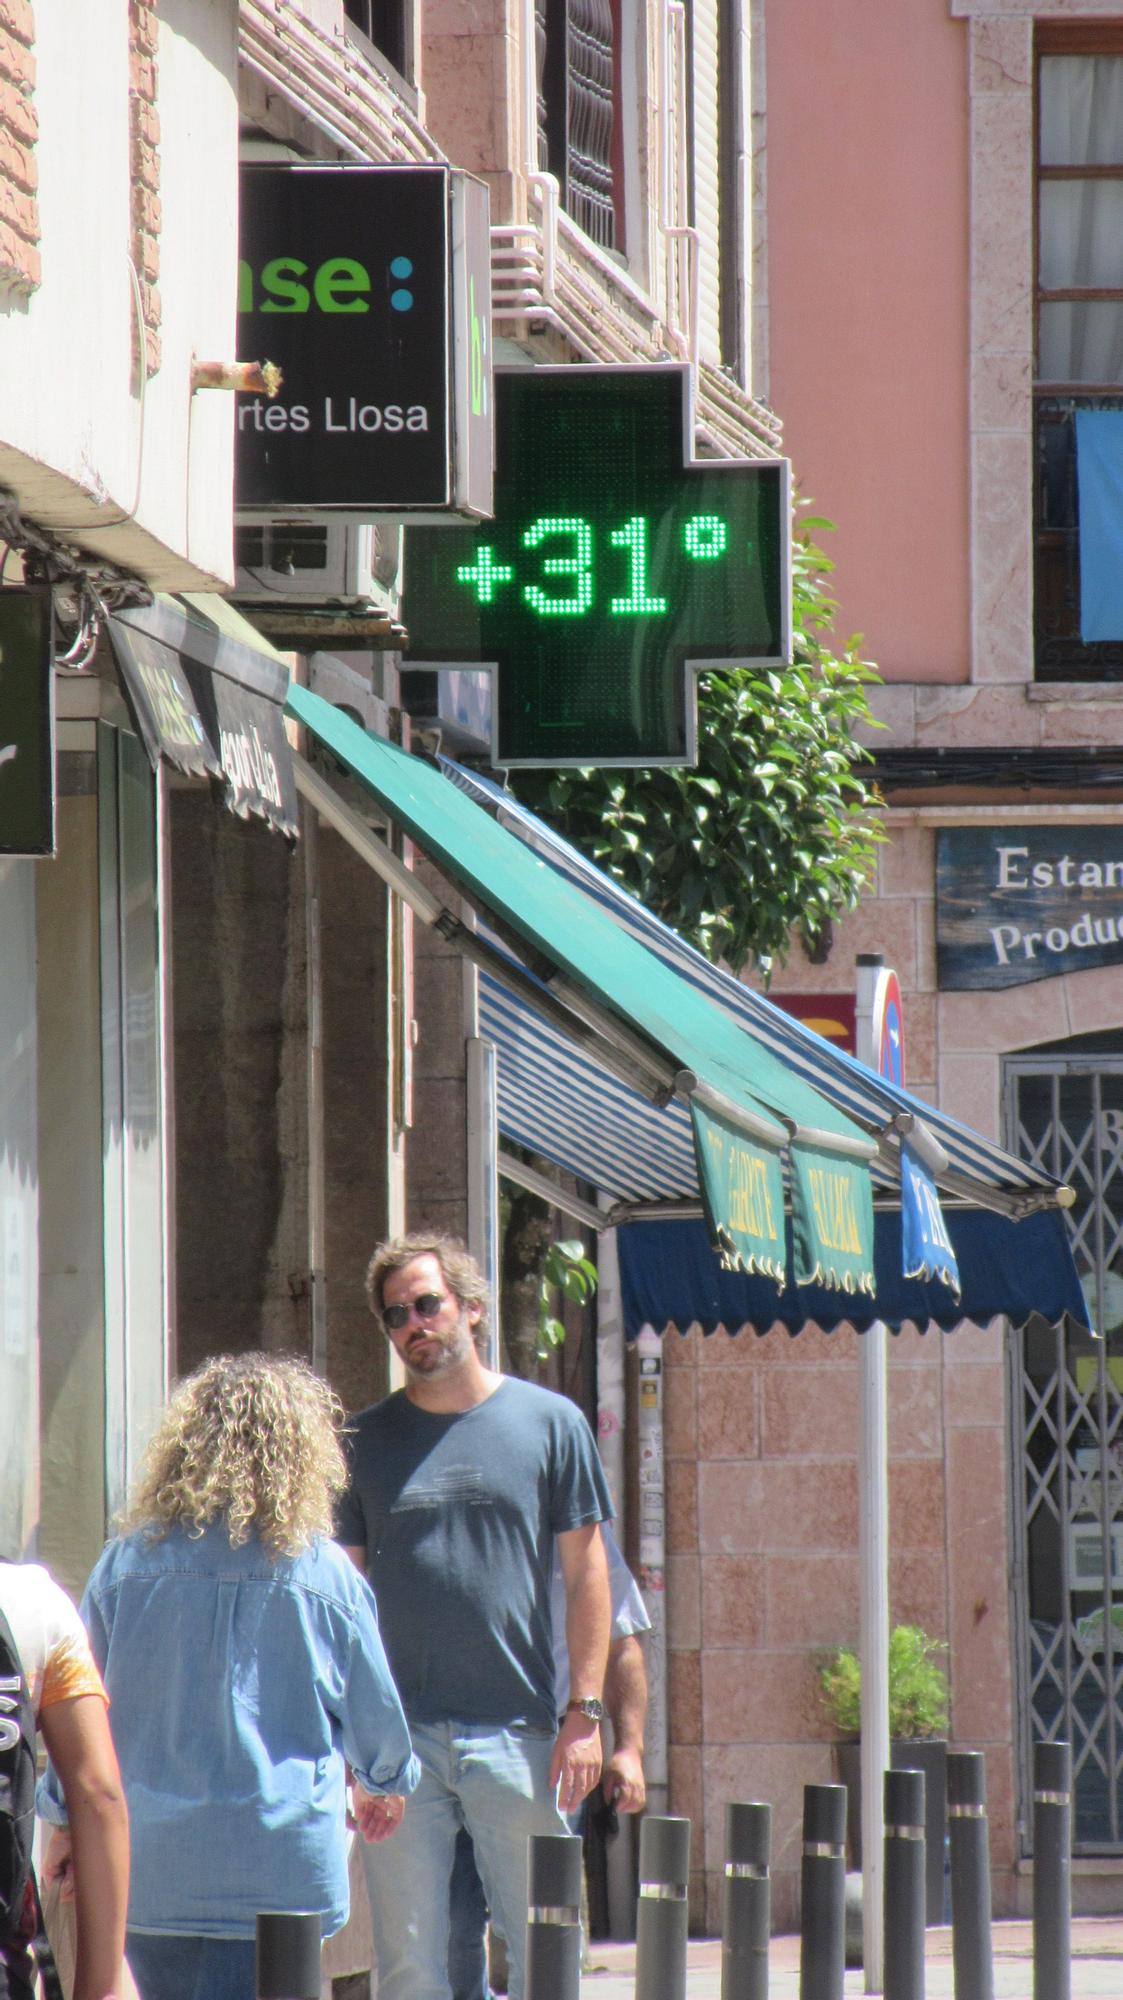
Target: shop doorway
(1064, 1111)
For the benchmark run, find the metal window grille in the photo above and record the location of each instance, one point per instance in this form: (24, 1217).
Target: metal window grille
(576, 69)
(1066, 1114)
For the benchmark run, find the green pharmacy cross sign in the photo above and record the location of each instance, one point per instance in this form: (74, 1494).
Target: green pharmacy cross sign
(617, 567)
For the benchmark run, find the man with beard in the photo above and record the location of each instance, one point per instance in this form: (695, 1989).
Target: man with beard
(462, 1483)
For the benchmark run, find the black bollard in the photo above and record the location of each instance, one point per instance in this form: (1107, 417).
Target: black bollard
(1052, 1884)
(746, 1902)
(822, 1949)
(971, 1950)
(662, 1912)
(905, 1896)
(553, 1917)
(288, 1955)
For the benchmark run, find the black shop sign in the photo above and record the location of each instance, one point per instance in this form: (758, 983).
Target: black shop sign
(369, 288)
(27, 743)
(1020, 903)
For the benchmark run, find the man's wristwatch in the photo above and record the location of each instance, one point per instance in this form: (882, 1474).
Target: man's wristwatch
(588, 1706)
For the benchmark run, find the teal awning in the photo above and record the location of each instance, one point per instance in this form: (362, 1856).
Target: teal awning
(581, 964)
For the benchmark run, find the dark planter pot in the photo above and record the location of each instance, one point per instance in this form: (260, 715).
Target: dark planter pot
(927, 1754)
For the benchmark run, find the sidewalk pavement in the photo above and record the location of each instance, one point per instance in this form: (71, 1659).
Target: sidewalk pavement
(1097, 1965)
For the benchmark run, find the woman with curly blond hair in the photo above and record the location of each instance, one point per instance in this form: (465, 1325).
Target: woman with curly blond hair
(241, 1653)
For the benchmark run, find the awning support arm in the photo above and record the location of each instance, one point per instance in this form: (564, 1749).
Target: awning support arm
(621, 1054)
(598, 1040)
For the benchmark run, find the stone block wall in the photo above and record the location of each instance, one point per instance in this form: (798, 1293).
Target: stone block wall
(763, 1570)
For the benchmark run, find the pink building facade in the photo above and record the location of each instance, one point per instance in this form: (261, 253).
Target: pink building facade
(937, 301)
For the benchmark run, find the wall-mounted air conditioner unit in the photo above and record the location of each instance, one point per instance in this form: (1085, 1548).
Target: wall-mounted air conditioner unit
(357, 567)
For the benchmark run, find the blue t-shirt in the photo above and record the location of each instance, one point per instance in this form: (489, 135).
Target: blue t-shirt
(458, 1515)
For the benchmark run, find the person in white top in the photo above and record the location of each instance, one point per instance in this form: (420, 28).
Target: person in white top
(70, 1707)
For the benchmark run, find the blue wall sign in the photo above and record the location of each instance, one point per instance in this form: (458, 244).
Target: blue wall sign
(1020, 903)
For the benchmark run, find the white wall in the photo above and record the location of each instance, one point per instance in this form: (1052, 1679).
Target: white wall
(70, 431)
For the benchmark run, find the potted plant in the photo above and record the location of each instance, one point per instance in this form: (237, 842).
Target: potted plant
(918, 1721)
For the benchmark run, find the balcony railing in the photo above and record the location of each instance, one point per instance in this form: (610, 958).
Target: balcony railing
(547, 275)
(320, 77)
(1060, 654)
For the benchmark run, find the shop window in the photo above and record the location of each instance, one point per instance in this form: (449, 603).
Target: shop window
(1078, 394)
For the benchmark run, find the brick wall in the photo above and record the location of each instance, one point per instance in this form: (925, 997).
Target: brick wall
(144, 161)
(19, 129)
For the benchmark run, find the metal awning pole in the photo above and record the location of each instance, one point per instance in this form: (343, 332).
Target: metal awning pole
(873, 1585)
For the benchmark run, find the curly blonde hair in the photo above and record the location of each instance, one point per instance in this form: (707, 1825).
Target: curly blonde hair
(251, 1440)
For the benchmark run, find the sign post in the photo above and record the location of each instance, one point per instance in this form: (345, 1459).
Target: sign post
(616, 568)
(881, 1045)
(27, 737)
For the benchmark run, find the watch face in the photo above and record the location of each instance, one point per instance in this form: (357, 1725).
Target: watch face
(590, 1707)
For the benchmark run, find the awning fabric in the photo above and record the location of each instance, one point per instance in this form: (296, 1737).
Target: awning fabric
(978, 1171)
(206, 693)
(669, 1278)
(730, 1077)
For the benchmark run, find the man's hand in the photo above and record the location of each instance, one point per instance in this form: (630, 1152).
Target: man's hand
(377, 1815)
(58, 1863)
(623, 1781)
(576, 1762)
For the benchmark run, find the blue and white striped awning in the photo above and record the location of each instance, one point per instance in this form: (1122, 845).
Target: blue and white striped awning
(559, 1102)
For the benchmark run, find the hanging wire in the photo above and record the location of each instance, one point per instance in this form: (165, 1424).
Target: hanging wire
(80, 653)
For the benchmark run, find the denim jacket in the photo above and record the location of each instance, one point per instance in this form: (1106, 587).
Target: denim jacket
(238, 1684)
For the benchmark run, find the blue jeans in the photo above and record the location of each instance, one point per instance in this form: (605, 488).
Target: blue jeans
(497, 1784)
(168, 1966)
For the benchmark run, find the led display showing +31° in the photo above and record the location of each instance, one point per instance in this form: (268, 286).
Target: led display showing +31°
(614, 563)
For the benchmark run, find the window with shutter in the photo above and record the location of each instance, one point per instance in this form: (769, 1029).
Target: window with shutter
(1078, 390)
(576, 48)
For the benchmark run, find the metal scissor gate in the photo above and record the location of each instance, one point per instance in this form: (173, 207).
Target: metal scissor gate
(1064, 1111)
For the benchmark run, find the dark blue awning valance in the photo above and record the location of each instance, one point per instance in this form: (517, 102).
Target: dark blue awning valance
(669, 1276)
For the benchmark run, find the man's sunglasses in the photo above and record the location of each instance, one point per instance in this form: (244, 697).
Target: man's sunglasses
(427, 1306)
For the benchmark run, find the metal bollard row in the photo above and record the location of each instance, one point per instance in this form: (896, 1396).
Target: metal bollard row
(287, 1955)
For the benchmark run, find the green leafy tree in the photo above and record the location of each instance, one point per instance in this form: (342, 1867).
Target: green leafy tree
(566, 1274)
(775, 829)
